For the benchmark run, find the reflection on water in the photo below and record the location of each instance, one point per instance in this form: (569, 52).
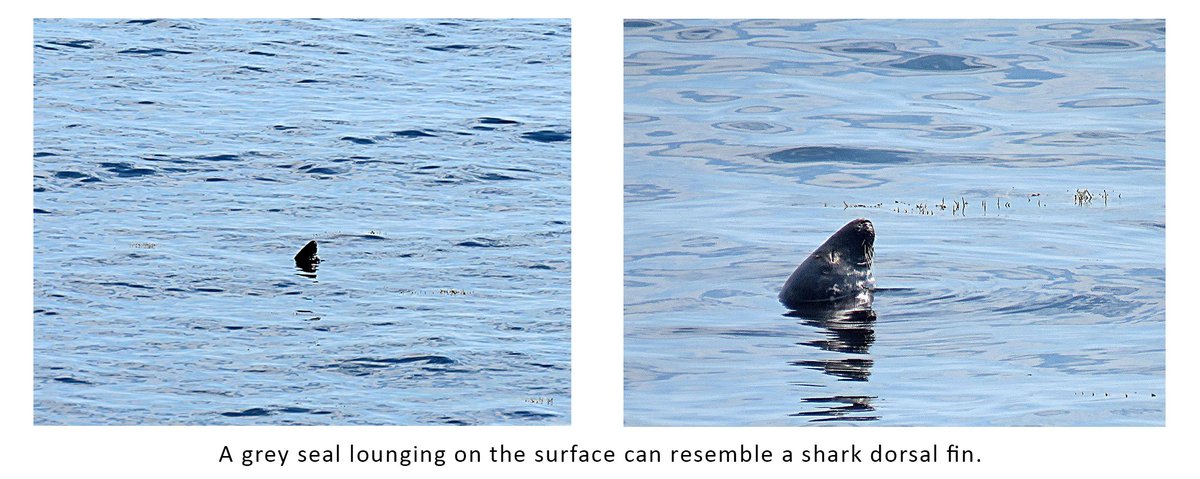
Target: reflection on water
(846, 327)
(839, 408)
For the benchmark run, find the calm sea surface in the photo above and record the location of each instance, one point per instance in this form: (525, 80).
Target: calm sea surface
(749, 142)
(179, 165)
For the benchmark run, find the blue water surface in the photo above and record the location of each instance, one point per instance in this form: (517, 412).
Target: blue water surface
(1014, 171)
(180, 164)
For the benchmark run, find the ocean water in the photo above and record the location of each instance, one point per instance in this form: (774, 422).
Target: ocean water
(180, 164)
(1042, 302)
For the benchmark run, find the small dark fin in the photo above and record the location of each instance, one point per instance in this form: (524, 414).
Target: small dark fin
(307, 258)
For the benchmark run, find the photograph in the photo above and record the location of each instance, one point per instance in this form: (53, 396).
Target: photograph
(301, 222)
(952, 222)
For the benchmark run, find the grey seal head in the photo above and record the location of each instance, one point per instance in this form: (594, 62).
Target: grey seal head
(838, 269)
(307, 258)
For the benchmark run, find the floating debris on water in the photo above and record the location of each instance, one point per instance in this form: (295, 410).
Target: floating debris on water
(1082, 197)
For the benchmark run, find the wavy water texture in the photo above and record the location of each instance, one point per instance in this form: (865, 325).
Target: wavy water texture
(1008, 295)
(180, 164)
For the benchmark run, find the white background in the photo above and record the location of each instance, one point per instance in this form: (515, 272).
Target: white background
(597, 368)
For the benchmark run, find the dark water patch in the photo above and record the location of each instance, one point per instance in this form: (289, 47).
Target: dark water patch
(539, 266)
(264, 54)
(1151, 26)
(284, 128)
(43, 47)
(634, 118)
(153, 52)
(752, 126)
(758, 109)
(160, 158)
(1090, 46)
(252, 412)
(304, 410)
(1109, 103)
(364, 366)
(452, 48)
(309, 80)
(642, 24)
(357, 140)
(254, 69)
(127, 170)
(71, 380)
(959, 131)
(938, 62)
(38, 189)
(647, 192)
(707, 98)
(146, 102)
(224, 157)
(1020, 73)
(413, 134)
(495, 177)
(523, 414)
(208, 290)
(487, 120)
(80, 44)
(546, 136)
(214, 179)
(704, 34)
(483, 243)
(859, 48)
(142, 22)
(67, 174)
(125, 284)
(43, 154)
(382, 362)
(743, 333)
(326, 171)
(834, 154)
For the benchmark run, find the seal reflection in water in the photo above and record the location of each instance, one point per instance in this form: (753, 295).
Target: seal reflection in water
(837, 271)
(307, 258)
